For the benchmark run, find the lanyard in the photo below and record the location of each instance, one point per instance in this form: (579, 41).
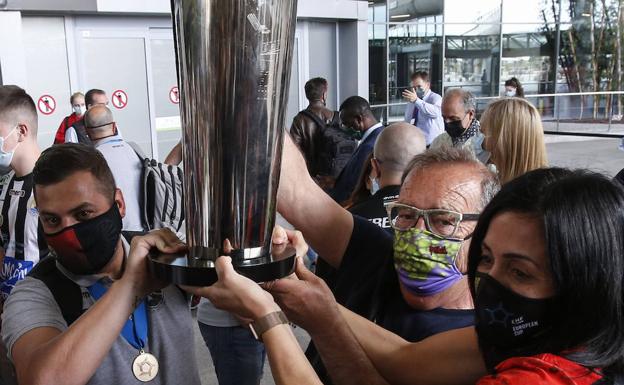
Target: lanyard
(135, 329)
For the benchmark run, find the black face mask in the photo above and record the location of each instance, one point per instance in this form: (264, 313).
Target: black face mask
(508, 324)
(455, 128)
(86, 247)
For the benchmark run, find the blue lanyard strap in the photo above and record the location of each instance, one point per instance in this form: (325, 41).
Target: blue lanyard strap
(135, 329)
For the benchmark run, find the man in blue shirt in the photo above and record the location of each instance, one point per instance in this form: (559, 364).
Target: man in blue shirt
(357, 117)
(424, 107)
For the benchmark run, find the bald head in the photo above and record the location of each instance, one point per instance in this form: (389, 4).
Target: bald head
(99, 121)
(397, 145)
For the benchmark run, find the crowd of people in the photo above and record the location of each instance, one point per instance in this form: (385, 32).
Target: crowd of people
(448, 253)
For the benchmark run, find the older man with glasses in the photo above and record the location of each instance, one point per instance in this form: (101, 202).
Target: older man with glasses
(412, 284)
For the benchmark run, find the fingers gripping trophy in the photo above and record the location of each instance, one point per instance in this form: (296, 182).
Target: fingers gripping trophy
(234, 59)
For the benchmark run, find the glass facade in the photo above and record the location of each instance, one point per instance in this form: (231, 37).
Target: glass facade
(566, 53)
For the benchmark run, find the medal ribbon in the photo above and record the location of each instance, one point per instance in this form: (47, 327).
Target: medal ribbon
(135, 329)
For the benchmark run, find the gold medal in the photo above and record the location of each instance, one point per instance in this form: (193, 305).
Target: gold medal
(145, 367)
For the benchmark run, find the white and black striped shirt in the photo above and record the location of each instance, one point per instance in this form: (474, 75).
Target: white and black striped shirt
(22, 236)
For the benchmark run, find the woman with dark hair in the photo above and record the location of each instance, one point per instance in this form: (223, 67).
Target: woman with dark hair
(546, 270)
(365, 186)
(546, 266)
(513, 87)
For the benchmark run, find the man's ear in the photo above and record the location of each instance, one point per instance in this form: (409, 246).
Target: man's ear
(121, 204)
(359, 120)
(23, 130)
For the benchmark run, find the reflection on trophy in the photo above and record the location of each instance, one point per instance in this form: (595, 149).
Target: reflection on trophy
(234, 61)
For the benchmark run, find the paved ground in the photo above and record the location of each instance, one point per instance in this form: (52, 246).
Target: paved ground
(597, 154)
(577, 152)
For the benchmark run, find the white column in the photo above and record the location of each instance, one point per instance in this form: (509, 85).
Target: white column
(12, 57)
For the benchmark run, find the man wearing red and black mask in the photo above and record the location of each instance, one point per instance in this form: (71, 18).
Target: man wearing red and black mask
(92, 314)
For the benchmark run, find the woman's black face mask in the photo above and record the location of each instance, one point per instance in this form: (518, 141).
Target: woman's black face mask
(508, 324)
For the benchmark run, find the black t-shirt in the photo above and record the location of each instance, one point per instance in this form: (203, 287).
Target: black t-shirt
(372, 209)
(367, 284)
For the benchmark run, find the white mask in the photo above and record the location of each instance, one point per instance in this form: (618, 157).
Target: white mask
(6, 157)
(80, 109)
(510, 93)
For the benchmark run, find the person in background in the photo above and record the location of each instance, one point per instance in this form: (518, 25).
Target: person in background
(23, 245)
(306, 130)
(424, 107)
(463, 130)
(364, 187)
(77, 132)
(358, 118)
(123, 162)
(514, 136)
(513, 87)
(77, 101)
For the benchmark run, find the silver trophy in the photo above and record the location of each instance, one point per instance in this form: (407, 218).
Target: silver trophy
(234, 59)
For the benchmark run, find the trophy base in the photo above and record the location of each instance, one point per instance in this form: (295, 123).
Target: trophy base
(197, 266)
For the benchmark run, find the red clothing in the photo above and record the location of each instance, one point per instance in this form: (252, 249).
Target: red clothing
(65, 124)
(542, 369)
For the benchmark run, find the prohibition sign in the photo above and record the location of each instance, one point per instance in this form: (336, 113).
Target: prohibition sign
(120, 99)
(46, 104)
(174, 95)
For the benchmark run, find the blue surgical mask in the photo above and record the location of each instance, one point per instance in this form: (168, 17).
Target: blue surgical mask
(510, 93)
(6, 157)
(420, 92)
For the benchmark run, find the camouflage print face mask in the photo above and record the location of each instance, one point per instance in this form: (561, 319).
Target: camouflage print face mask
(425, 263)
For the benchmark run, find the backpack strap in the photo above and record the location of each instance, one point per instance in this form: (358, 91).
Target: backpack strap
(139, 152)
(335, 122)
(81, 133)
(146, 162)
(67, 293)
(315, 118)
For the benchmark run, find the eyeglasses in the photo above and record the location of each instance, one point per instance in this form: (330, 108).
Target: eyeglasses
(442, 223)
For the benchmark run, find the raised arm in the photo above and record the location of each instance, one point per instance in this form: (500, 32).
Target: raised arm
(325, 225)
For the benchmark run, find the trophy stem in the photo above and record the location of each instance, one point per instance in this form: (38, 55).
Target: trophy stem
(234, 66)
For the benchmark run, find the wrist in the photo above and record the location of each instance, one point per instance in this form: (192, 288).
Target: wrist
(130, 286)
(263, 309)
(268, 322)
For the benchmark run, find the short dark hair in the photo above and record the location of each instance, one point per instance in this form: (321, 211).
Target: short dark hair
(315, 88)
(15, 102)
(356, 105)
(90, 95)
(60, 161)
(422, 75)
(583, 216)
